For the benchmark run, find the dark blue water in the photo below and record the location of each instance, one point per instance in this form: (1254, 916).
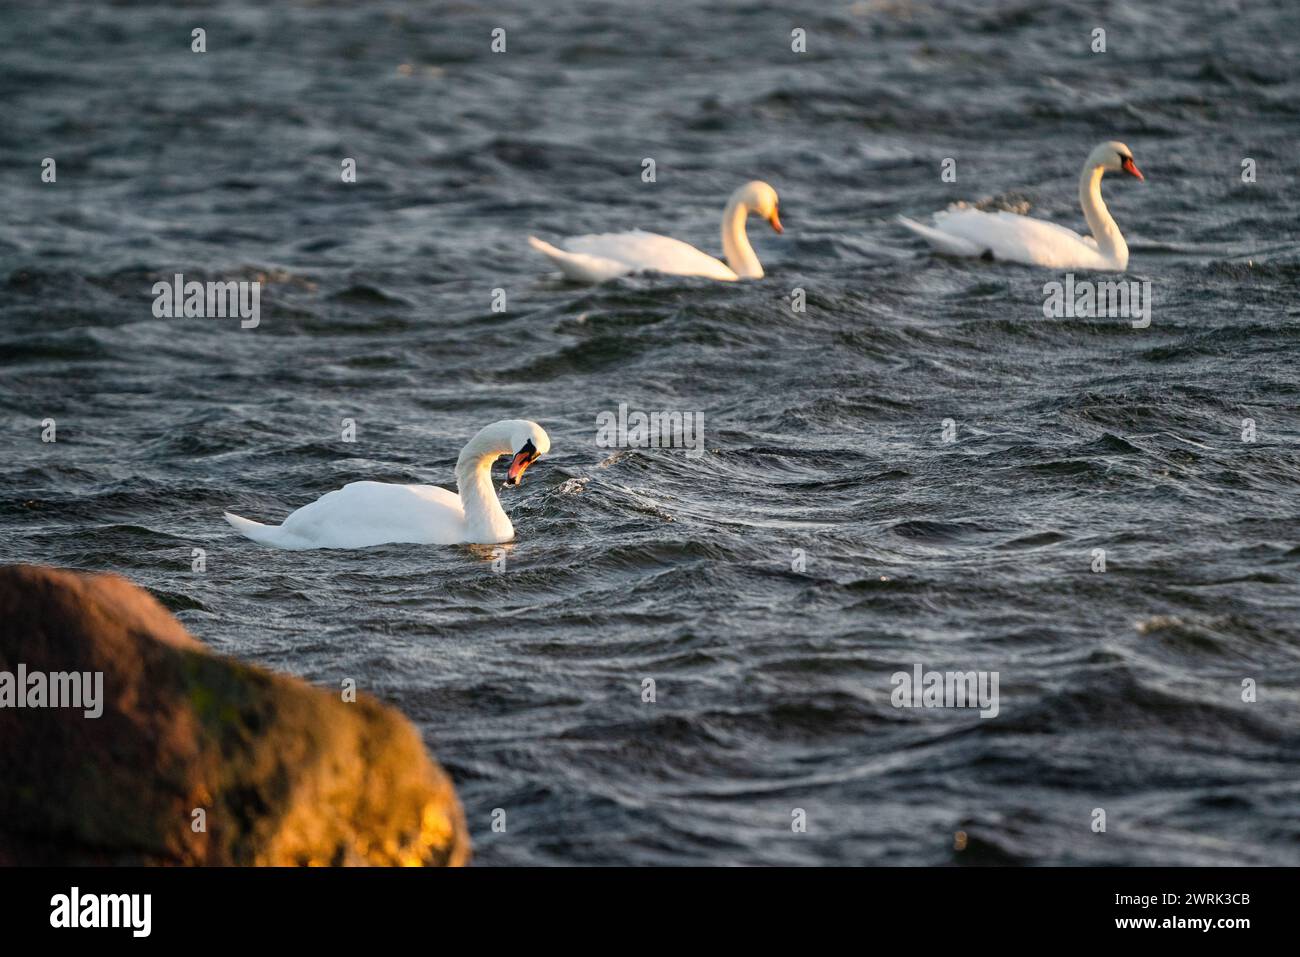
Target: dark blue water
(1119, 690)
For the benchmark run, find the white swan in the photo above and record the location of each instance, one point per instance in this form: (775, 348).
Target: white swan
(593, 259)
(362, 514)
(962, 231)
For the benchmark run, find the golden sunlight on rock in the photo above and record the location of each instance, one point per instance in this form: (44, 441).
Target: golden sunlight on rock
(195, 758)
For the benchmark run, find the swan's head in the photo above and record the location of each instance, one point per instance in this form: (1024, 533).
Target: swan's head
(1114, 157)
(759, 198)
(528, 443)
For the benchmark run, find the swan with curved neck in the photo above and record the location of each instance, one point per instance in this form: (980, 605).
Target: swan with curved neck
(362, 514)
(962, 231)
(596, 258)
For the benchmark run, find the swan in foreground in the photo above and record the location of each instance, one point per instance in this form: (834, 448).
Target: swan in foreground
(962, 231)
(595, 258)
(375, 513)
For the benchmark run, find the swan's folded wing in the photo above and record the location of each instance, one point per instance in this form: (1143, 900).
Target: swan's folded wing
(580, 267)
(1015, 238)
(945, 243)
(361, 514)
(650, 252)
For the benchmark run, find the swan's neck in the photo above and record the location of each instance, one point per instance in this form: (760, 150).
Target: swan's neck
(735, 244)
(485, 520)
(1110, 243)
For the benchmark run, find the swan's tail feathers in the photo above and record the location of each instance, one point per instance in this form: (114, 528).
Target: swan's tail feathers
(943, 242)
(580, 267)
(272, 535)
(546, 248)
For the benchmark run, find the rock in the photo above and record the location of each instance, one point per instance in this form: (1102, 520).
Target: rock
(283, 772)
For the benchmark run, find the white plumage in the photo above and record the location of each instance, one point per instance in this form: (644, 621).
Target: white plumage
(362, 514)
(963, 231)
(599, 257)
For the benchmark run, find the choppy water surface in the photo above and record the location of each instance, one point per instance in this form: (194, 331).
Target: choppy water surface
(1119, 690)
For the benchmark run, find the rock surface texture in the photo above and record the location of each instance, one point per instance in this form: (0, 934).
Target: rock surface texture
(276, 771)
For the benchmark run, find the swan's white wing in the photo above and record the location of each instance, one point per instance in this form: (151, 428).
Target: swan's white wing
(1019, 239)
(946, 243)
(649, 252)
(581, 267)
(374, 513)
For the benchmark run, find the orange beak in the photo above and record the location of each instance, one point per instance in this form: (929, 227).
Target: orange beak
(1131, 168)
(776, 221)
(518, 464)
